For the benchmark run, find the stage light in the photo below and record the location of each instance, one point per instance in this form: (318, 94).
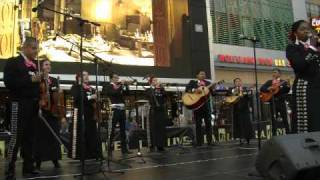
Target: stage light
(97, 10)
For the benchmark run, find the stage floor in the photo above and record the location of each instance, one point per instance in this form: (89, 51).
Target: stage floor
(224, 161)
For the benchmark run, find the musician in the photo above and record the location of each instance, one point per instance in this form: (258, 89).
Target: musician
(116, 90)
(158, 114)
(22, 80)
(242, 126)
(92, 144)
(204, 111)
(278, 104)
(47, 146)
(304, 58)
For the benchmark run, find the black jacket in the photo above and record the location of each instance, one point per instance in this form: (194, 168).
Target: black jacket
(88, 104)
(17, 78)
(305, 63)
(193, 84)
(116, 95)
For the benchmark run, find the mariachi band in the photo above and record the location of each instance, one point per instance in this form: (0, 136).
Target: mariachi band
(37, 104)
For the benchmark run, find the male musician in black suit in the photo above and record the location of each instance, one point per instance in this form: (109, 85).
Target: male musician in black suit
(116, 90)
(278, 105)
(204, 111)
(22, 80)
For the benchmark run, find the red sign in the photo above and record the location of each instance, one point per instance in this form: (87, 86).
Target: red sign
(250, 60)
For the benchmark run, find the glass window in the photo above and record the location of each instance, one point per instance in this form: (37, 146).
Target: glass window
(269, 20)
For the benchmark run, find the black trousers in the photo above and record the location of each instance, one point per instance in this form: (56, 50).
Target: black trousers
(119, 116)
(199, 114)
(158, 120)
(278, 107)
(23, 116)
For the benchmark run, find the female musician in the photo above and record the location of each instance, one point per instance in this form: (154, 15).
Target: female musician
(304, 58)
(92, 145)
(242, 126)
(47, 147)
(116, 90)
(158, 114)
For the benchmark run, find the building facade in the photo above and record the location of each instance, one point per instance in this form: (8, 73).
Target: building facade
(267, 20)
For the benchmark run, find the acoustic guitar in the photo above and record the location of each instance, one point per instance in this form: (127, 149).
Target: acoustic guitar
(267, 96)
(196, 100)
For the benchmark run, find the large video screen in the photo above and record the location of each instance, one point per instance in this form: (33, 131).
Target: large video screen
(135, 37)
(124, 37)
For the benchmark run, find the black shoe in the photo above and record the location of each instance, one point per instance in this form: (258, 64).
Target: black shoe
(161, 149)
(30, 173)
(56, 164)
(10, 175)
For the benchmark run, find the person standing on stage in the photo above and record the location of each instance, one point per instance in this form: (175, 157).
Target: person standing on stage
(47, 146)
(242, 126)
(278, 104)
(92, 145)
(158, 114)
(304, 57)
(204, 111)
(22, 80)
(116, 90)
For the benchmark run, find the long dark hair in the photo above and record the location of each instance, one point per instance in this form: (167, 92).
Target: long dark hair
(295, 26)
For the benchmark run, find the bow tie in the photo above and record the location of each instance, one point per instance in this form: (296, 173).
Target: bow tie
(30, 64)
(86, 87)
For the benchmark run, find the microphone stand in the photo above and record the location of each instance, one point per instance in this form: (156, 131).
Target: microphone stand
(97, 60)
(254, 41)
(81, 106)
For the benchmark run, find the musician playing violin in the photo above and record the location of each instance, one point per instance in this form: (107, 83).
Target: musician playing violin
(204, 111)
(158, 114)
(92, 143)
(242, 126)
(116, 90)
(47, 148)
(278, 105)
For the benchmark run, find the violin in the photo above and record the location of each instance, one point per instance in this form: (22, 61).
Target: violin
(51, 99)
(58, 101)
(97, 107)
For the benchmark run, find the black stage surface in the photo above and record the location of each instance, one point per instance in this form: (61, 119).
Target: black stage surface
(224, 161)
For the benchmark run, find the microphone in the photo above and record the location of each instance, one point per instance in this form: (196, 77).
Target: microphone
(244, 37)
(34, 9)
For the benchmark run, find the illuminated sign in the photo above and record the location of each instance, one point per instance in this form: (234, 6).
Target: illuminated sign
(223, 58)
(315, 23)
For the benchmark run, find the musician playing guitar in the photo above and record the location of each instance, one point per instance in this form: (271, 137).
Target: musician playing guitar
(278, 106)
(203, 112)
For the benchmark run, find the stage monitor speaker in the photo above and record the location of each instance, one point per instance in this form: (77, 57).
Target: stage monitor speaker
(290, 157)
